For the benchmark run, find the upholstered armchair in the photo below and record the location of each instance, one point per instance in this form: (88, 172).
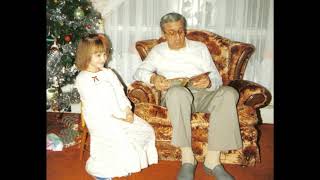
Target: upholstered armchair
(230, 58)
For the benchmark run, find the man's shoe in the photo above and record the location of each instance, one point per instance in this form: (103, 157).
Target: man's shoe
(219, 172)
(186, 171)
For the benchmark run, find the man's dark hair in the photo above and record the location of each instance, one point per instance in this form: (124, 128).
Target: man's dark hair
(173, 17)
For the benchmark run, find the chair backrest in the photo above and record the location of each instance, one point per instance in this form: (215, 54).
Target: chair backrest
(230, 57)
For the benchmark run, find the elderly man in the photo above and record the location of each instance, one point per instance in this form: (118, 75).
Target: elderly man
(179, 57)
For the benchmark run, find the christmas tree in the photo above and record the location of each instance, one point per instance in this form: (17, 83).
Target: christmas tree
(67, 22)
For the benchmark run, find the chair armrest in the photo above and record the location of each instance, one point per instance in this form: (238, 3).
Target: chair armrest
(240, 54)
(140, 92)
(144, 47)
(251, 94)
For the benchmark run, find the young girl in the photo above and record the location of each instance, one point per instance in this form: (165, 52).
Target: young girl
(121, 143)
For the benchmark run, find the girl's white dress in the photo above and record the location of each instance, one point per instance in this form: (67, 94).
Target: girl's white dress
(117, 148)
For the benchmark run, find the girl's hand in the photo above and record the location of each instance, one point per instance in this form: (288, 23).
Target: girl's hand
(129, 118)
(129, 115)
(102, 68)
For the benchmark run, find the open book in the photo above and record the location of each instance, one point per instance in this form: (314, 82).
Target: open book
(184, 81)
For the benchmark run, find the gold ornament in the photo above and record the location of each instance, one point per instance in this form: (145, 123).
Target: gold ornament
(78, 13)
(51, 93)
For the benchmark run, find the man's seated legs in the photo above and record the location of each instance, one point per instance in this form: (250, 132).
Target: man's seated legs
(224, 131)
(178, 101)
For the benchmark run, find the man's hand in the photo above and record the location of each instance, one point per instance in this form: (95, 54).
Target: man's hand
(160, 82)
(201, 82)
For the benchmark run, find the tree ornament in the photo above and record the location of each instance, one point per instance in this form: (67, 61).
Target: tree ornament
(78, 13)
(55, 46)
(88, 26)
(61, 22)
(67, 38)
(51, 93)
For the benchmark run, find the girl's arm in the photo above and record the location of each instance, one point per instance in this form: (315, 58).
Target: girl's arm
(123, 101)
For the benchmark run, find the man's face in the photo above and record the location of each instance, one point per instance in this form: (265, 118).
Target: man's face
(175, 34)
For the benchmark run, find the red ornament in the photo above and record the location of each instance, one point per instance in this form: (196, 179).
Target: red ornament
(67, 38)
(88, 26)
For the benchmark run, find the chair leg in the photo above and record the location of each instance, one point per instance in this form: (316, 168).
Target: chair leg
(83, 143)
(81, 148)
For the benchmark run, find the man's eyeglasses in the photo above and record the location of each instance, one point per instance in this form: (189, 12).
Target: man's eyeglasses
(174, 33)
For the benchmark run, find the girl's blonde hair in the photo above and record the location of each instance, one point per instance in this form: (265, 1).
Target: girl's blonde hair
(94, 43)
